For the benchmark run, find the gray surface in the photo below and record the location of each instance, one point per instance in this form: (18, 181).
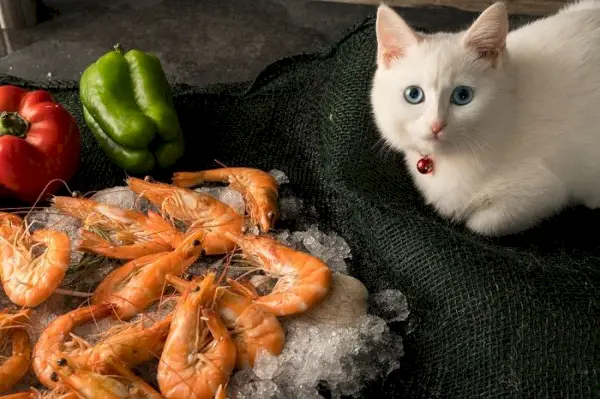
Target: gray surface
(198, 41)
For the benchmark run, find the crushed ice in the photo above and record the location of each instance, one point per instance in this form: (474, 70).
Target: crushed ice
(279, 176)
(340, 359)
(330, 248)
(344, 359)
(121, 196)
(391, 305)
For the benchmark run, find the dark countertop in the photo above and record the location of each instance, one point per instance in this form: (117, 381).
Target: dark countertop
(198, 41)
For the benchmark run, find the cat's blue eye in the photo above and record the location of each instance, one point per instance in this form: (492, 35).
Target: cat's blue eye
(462, 95)
(414, 94)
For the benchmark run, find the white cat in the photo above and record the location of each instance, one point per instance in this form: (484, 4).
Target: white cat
(510, 121)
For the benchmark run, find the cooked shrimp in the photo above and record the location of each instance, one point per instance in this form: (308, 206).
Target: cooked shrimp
(197, 210)
(133, 344)
(15, 366)
(131, 233)
(303, 280)
(31, 394)
(21, 395)
(199, 355)
(259, 189)
(139, 283)
(35, 394)
(251, 328)
(53, 339)
(28, 280)
(11, 226)
(12, 329)
(119, 383)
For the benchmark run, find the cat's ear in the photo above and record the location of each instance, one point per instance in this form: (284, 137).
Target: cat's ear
(394, 36)
(487, 35)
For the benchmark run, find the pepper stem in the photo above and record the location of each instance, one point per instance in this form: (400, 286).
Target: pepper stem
(12, 124)
(118, 48)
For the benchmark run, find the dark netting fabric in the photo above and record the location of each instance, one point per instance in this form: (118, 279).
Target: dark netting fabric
(495, 318)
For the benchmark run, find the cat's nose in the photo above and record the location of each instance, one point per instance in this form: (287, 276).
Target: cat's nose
(437, 127)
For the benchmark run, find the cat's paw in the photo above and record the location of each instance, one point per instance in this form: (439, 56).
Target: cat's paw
(494, 220)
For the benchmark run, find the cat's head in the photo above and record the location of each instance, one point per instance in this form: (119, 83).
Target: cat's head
(430, 92)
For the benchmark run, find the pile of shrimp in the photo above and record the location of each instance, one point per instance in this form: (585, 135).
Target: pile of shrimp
(216, 321)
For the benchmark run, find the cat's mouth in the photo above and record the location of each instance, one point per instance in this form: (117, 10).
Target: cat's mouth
(427, 145)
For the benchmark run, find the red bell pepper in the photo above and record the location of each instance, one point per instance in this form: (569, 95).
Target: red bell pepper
(39, 142)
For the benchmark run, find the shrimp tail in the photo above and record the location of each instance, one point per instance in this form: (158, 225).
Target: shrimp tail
(188, 179)
(148, 190)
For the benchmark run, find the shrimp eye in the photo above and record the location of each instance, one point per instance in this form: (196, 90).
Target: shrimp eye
(270, 215)
(54, 377)
(196, 243)
(148, 178)
(197, 288)
(62, 362)
(188, 276)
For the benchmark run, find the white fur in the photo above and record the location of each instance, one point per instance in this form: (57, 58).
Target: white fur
(529, 142)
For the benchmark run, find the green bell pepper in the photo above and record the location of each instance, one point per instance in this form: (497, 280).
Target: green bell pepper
(128, 106)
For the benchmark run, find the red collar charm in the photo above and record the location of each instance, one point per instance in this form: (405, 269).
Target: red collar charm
(425, 165)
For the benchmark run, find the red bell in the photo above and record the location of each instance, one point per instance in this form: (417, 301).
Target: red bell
(425, 166)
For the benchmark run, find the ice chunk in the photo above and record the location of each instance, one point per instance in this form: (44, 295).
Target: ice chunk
(226, 195)
(285, 237)
(279, 176)
(344, 358)
(290, 208)
(245, 384)
(267, 366)
(52, 218)
(121, 196)
(391, 305)
(251, 229)
(330, 248)
(259, 390)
